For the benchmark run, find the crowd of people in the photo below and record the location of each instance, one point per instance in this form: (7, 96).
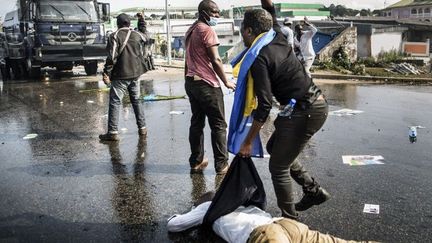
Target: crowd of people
(275, 64)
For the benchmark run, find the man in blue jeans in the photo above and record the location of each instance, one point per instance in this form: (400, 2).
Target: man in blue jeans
(125, 63)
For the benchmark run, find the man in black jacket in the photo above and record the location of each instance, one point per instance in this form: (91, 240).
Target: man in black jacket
(125, 63)
(278, 73)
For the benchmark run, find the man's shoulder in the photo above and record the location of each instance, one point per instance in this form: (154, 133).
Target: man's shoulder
(202, 27)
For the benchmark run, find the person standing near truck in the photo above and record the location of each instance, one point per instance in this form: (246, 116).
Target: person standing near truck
(124, 65)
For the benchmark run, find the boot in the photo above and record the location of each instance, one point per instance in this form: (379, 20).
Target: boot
(311, 199)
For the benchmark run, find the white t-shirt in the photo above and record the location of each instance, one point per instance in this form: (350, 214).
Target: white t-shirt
(234, 227)
(305, 43)
(288, 32)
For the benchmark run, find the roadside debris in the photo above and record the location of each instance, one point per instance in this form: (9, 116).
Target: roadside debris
(371, 208)
(345, 112)
(30, 136)
(154, 97)
(413, 133)
(353, 160)
(404, 68)
(94, 90)
(176, 112)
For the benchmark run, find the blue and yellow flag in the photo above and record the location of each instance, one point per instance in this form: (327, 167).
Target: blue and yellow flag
(245, 99)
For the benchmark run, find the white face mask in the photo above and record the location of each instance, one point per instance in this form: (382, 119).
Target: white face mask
(213, 21)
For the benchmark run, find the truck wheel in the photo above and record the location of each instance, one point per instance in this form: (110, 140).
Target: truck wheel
(66, 67)
(17, 70)
(91, 68)
(33, 71)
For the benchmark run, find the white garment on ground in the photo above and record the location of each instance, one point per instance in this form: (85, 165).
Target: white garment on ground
(288, 32)
(180, 222)
(305, 43)
(234, 227)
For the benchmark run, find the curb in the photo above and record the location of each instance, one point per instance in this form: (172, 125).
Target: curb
(345, 77)
(372, 78)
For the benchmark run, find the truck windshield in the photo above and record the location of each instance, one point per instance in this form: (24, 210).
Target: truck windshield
(67, 11)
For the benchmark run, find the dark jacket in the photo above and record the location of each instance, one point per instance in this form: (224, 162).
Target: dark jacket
(241, 186)
(131, 63)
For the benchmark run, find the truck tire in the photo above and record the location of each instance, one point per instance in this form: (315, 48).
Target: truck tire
(91, 68)
(67, 67)
(33, 71)
(18, 71)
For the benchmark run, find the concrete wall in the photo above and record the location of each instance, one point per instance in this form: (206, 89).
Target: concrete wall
(363, 46)
(347, 39)
(385, 42)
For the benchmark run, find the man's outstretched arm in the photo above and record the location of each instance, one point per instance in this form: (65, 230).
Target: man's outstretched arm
(266, 4)
(181, 222)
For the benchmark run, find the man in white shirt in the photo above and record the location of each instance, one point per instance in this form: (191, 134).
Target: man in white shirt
(303, 41)
(253, 225)
(287, 31)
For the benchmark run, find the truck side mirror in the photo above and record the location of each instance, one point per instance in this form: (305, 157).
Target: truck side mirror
(105, 12)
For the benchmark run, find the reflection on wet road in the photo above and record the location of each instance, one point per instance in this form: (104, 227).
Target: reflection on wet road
(65, 185)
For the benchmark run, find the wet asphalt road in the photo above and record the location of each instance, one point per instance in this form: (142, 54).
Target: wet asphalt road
(66, 186)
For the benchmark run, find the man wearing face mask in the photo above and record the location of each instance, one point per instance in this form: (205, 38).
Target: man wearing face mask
(203, 67)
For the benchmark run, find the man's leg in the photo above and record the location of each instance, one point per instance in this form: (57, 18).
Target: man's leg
(196, 134)
(215, 111)
(138, 106)
(307, 66)
(285, 145)
(117, 91)
(313, 193)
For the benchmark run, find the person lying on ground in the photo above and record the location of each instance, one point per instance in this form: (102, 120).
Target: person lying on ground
(250, 224)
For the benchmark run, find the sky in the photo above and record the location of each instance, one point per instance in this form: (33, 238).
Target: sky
(8, 5)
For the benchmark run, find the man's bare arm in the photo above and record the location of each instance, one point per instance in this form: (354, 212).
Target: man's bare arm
(218, 66)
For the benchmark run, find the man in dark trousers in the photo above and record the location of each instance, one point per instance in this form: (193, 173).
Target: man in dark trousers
(277, 72)
(203, 67)
(125, 63)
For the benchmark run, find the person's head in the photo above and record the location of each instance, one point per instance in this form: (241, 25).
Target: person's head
(255, 22)
(123, 20)
(287, 22)
(208, 12)
(139, 15)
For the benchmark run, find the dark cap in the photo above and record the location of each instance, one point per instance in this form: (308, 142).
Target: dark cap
(123, 20)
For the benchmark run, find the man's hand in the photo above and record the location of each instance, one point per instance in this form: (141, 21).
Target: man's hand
(106, 79)
(245, 150)
(230, 85)
(306, 21)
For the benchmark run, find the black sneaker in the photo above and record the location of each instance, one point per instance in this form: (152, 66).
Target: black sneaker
(109, 137)
(310, 199)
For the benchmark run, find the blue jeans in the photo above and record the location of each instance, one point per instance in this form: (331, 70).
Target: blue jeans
(117, 91)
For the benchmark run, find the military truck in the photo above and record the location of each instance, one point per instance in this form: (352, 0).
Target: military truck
(55, 33)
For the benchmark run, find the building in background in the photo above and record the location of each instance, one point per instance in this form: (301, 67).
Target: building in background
(410, 9)
(297, 11)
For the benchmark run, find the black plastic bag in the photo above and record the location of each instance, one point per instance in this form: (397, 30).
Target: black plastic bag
(241, 186)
